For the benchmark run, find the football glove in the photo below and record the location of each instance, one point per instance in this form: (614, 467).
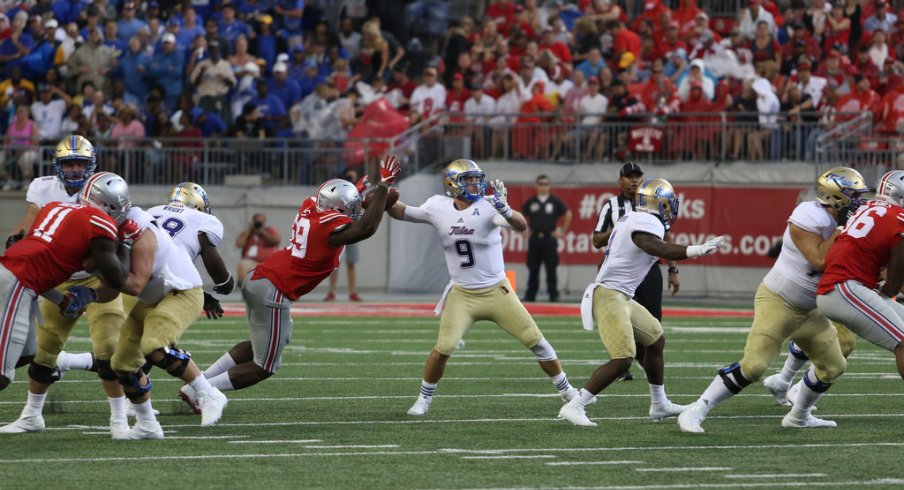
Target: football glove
(708, 247)
(212, 307)
(390, 170)
(129, 231)
(362, 185)
(76, 299)
(500, 198)
(14, 238)
(845, 213)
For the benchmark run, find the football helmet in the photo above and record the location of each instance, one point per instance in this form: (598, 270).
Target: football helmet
(657, 196)
(891, 187)
(109, 193)
(455, 180)
(340, 195)
(190, 195)
(838, 186)
(77, 148)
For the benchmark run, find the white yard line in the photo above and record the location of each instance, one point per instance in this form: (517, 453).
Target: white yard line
(777, 475)
(513, 456)
(772, 484)
(582, 463)
(683, 469)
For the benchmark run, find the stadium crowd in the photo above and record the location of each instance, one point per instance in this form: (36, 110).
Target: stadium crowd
(118, 69)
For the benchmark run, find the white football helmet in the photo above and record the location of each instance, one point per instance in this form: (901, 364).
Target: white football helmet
(109, 193)
(891, 187)
(340, 195)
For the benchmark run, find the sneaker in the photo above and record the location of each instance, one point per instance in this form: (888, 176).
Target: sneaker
(420, 406)
(808, 421)
(331, 296)
(143, 429)
(692, 416)
(130, 411)
(626, 376)
(211, 404)
(119, 428)
(188, 395)
(575, 414)
(669, 409)
(779, 389)
(355, 297)
(30, 423)
(568, 395)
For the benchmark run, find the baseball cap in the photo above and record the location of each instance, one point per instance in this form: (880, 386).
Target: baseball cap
(169, 37)
(308, 64)
(51, 24)
(282, 57)
(282, 68)
(630, 169)
(626, 59)
(804, 65)
(196, 112)
(458, 76)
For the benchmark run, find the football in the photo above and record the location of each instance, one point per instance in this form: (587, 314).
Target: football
(390, 199)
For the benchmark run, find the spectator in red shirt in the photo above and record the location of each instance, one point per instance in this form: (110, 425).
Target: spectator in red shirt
(765, 48)
(652, 11)
(625, 40)
(891, 116)
(657, 86)
(686, 13)
(501, 13)
(456, 96)
(669, 41)
(530, 137)
(837, 27)
(558, 48)
(861, 98)
(831, 68)
(699, 135)
(864, 64)
(402, 85)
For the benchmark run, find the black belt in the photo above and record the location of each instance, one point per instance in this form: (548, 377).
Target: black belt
(542, 234)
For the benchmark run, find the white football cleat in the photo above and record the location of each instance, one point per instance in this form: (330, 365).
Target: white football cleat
(212, 402)
(118, 429)
(660, 412)
(130, 410)
(143, 429)
(575, 414)
(32, 423)
(421, 406)
(188, 395)
(779, 389)
(809, 421)
(692, 416)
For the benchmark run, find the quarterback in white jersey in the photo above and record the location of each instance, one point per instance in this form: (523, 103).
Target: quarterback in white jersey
(469, 224)
(635, 244)
(785, 308)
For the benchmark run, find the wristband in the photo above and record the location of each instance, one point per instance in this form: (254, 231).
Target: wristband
(673, 270)
(224, 282)
(507, 213)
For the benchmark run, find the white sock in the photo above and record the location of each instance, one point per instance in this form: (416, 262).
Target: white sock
(222, 382)
(716, 393)
(806, 397)
(583, 398)
(657, 395)
(427, 389)
(560, 381)
(791, 367)
(117, 407)
(35, 405)
(200, 384)
(223, 364)
(82, 361)
(144, 411)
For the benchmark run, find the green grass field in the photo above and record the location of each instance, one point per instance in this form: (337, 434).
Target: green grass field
(334, 417)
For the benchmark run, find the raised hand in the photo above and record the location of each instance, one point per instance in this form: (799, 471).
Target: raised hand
(390, 168)
(708, 247)
(500, 198)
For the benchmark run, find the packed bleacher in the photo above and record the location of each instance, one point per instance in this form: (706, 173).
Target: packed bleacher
(544, 78)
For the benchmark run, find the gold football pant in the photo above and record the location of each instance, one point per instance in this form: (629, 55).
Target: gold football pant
(774, 322)
(621, 321)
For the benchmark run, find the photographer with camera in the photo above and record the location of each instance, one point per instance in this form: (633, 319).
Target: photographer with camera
(258, 242)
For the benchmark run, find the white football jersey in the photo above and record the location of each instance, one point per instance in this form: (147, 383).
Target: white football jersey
(626, 264)
(471, 238)
(184, 224)
(171, 262)
(791, 265)
(45, 190)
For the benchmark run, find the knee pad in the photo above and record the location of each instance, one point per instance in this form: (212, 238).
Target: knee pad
(174, 360)
(797, 352)
(544, 351)
(24, 360)
(44, 374)
(104, 371)
(131, 385)
(733, 378)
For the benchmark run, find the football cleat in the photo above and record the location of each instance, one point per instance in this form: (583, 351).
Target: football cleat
(118, 428)
(143, 429)
(32, 423)
(808, 421)
(669, 409)
(188, 395)
(574, 413)
(779, 389)
(212, 402)
(568, 395)
(692, 416)
(421, 406)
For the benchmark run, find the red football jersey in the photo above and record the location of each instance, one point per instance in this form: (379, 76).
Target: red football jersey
(56, 245)
(864, 247)
(308, 259)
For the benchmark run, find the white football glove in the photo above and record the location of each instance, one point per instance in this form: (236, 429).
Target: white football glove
(706, 248)
(500, 198)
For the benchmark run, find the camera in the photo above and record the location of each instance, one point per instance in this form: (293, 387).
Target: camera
(258, 225)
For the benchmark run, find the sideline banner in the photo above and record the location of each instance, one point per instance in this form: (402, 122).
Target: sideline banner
(753, 219)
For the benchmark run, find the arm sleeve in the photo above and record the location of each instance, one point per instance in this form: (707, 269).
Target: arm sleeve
(647, 223)
(417, 214)
(804, 218)
(604, 222)
(501, 222)
(213, 228)
(34, 194)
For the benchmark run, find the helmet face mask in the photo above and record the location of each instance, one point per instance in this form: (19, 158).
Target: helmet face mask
(190, 195)
(342, 196)
(657, 196)
(109, 193)
(463, 178)
(891, 188)
(74, 149)
(839, 187)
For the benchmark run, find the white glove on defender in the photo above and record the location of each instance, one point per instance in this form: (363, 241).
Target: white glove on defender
(707, 248)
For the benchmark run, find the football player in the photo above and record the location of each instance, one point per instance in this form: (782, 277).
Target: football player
(324, 225)
(63, 236)
(635, 245)
(785, 307)
(75, 161)
(469, 225)
(850, 291)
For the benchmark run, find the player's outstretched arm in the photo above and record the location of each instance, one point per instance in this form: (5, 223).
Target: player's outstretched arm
(499, 199)
(213, 263)
(390, 168)
(658, 247)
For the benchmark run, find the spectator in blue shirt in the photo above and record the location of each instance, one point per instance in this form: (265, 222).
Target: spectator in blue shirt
(593, 64)
(66, 11)
(230, 27)
(265, 41)
(111, 37)
(128, 24)
(296, 63)
(284, 87)
(16, 46)
(311, 78)
(185, 32)
(133, 68)
(290, 12)
(271, 109)
(210, 124)
(167, 69)
(36, 63)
